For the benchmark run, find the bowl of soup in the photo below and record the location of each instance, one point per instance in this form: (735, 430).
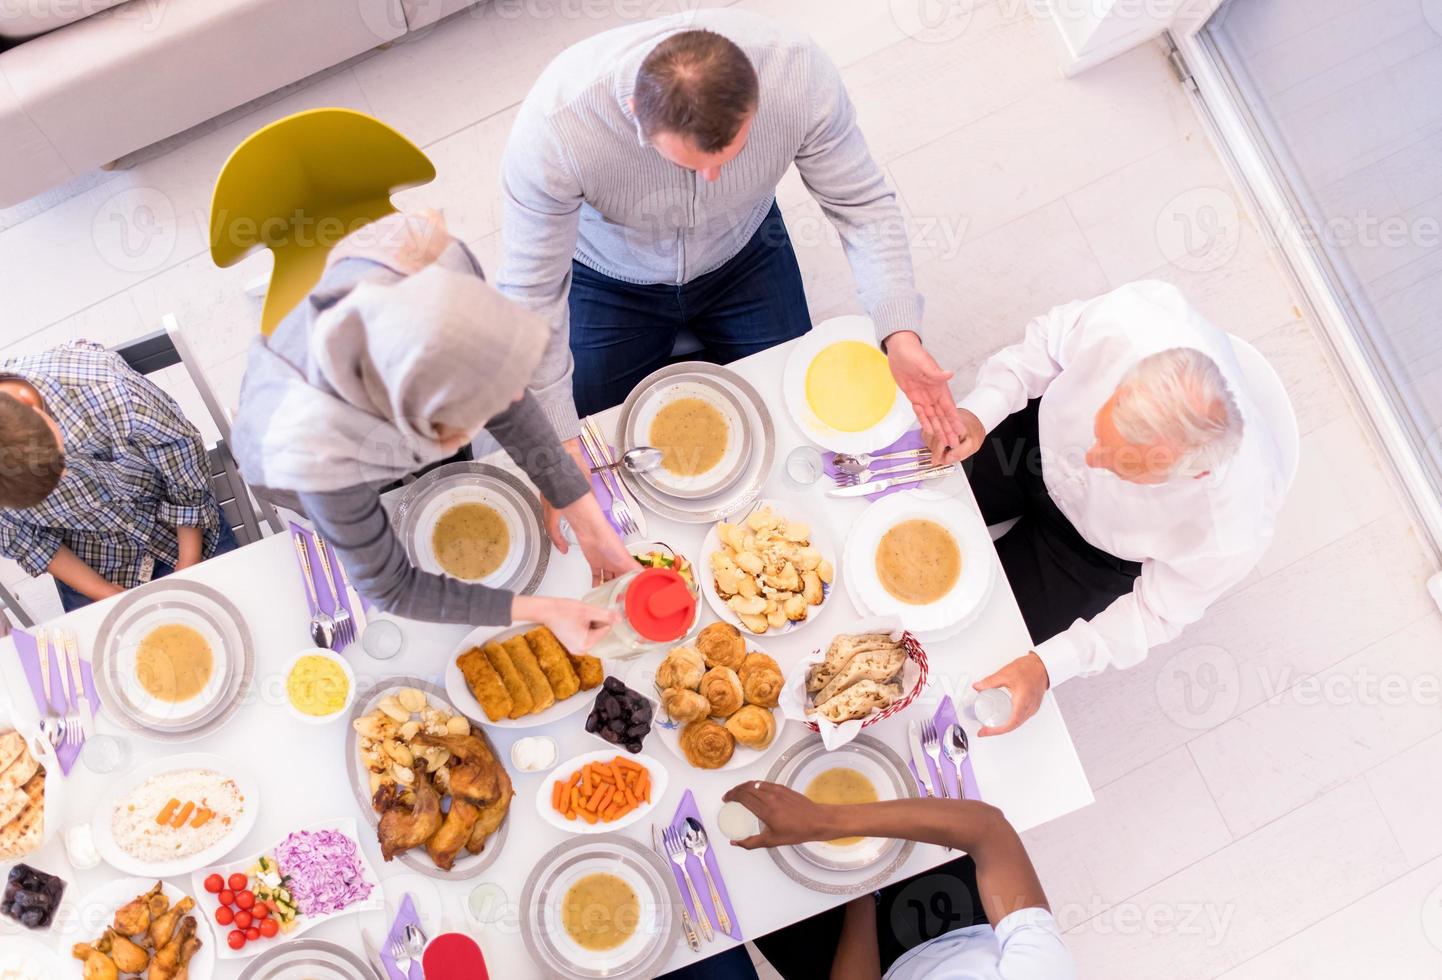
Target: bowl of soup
(172, 664)
(702, 433)
(471, 533)
(844, 780)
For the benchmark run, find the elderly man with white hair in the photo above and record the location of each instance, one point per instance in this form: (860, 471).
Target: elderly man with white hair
(1144, 480)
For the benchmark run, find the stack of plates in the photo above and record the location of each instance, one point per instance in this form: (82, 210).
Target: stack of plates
(426, 500)
(308, 959)
(854, 866)
(734, 482)
(954, 611)
(173, 602)
(552, 948)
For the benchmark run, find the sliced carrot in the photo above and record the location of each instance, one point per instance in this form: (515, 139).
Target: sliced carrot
(588, 816)
(166, 812)
(556, 790)
(183, 815)
(202, 817)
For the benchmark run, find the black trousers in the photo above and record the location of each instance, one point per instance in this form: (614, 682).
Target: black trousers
(1056, 575)
(908, 913)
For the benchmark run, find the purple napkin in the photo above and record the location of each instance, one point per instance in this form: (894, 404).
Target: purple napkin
(322, 592)
(28, 651)
(405, 917)
(910, 440)
(604, 497)
(944, 718)
(678, 822)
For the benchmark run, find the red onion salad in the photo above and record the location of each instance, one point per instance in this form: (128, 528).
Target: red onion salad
(322, 871)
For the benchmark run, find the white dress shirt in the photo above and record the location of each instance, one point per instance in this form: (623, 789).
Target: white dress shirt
(1194, 538)
(1026, 945)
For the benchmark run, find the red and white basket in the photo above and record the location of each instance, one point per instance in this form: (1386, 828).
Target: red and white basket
(917, 654)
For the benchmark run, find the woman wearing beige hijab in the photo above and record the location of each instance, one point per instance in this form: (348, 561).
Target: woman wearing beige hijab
(399, 357)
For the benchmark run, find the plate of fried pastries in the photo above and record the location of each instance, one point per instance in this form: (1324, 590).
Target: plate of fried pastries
(716, 699)
(521, 677)
(767, 574)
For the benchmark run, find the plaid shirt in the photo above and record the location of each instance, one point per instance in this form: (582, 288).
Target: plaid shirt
(135, 468)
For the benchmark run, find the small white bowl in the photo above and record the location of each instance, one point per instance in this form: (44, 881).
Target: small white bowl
(350, 683)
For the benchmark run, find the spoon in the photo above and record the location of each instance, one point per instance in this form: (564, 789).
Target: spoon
(955, 747)
(322, 626)
(637, 460)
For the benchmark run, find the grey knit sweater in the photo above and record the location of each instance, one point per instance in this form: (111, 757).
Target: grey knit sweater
(579, 180)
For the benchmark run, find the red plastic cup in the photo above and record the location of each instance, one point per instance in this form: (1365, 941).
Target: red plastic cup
(454, 957)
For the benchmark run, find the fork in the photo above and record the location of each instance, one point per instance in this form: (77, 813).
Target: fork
(932, 746)
(344, 625)
(855, 463)
(677, 850)
(849, 479)
(401, 954)
(620, 510)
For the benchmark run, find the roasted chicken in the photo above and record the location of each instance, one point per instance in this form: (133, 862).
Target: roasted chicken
(128, 957)
(97, 965)
(162, 927)
(171, 960)
(492, 815)
(455, 832)
(133, 918)
(477, 777)
(405, 826)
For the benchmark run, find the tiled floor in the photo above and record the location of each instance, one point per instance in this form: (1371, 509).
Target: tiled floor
(1267, 801)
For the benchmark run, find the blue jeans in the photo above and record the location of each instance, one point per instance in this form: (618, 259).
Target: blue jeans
(621, 331)
(70, 600)
(734, 964)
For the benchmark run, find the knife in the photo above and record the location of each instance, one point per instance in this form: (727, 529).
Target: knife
(876, 486)
(373, 953)
(352, 598)
(692, 939)
(42, 654)
(918, 757)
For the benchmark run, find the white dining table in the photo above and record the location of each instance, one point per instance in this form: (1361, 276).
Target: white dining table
(1032, 774)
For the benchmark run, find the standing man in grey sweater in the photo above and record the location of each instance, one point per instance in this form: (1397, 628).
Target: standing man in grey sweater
(639, 187)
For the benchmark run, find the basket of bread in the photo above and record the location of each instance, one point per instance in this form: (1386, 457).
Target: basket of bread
(25, 767)
(860, 678)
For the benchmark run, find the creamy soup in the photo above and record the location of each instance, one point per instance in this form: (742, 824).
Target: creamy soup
(691, 435)
(600, 912)
(849, 386)
(174, 663)
(918, 561)
(471, 541)
(842, 785)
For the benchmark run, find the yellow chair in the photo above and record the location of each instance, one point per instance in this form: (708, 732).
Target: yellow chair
(300, 185)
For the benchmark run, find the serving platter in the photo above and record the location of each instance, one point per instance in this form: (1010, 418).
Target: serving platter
(162, 602)
(424, 502)
(962, 603)
(550, 946)
(345, 826)
(887, 430)
(841, 870)
(98, 909)
(309, 959)
(459, 692)
(758, 461)
(467, 866)
(121, 785)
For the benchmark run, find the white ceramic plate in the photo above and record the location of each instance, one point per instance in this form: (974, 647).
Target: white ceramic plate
(712, 543)
(793, 388)
(98, 910)
(460, 692)
(110, 850)
(864, 852)
(738, 440)
(659, 779)
(24, 957)
(473, 493)
(978, 570)
(127, 649)
(642, 678)
(303, 923)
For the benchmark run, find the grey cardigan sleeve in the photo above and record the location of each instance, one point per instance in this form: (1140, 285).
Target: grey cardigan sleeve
(529, 439)
(357, 526)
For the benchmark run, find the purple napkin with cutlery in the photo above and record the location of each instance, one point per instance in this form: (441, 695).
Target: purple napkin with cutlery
(322, 591)
(944, 718)
(28, 650)
(687, 809)
(909, 440)
(405, 917)
(604, 496)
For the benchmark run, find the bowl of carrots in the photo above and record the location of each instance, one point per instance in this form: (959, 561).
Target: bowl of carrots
(599, 792)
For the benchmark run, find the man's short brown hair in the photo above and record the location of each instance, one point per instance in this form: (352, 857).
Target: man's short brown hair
(31, 461)
(699, 85)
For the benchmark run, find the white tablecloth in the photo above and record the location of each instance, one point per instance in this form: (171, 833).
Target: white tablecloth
(1033, 774)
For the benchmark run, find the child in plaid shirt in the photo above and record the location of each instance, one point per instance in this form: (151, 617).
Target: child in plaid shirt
(103, 481)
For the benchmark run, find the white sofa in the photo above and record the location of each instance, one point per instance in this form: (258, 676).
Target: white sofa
(108, 77)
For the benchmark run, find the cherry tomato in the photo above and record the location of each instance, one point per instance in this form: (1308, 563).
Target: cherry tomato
(245, 900)
(226, 896)
(269, 928)
(214, 884)
(237, 881)
(224, 915)
(252, 933)
(243, 920)
(261, 910)
(236, 939)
